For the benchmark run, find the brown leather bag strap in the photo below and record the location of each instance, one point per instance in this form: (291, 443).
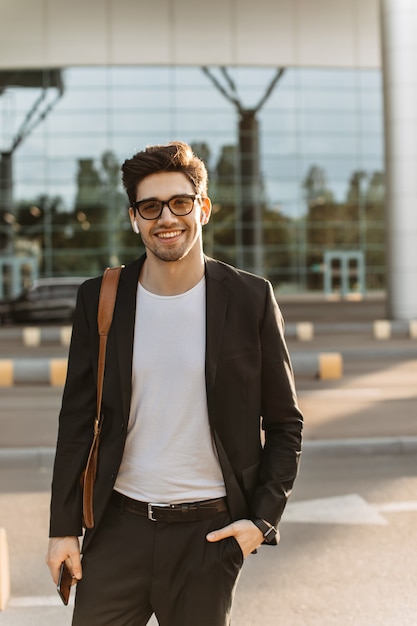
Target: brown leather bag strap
(106, 304)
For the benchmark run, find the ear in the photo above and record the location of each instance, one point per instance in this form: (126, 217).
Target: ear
(205, 211)
(133, 221)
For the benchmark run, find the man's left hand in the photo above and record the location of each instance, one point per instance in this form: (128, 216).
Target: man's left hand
(248, 536)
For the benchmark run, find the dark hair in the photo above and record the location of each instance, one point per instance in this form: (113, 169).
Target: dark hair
(176, 156)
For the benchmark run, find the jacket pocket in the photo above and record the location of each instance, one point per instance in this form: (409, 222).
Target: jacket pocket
(250, 477)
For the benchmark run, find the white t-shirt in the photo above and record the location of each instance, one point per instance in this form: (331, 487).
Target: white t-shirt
(169, 455)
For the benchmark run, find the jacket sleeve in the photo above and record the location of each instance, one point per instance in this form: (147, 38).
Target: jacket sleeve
(282, 420)
(76, 417)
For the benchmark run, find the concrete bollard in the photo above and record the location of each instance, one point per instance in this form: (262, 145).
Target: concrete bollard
(6, 373)
(4, 570)
(382, 329)
(65, 335)
(29, 371)
(31, 336)
(305, 331)
(330, 365)
(58, 371)
(324, 365)
(412, 330)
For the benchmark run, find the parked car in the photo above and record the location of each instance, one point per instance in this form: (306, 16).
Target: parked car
(47, 299)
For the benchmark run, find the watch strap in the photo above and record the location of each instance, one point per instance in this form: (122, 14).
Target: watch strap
(269, 532)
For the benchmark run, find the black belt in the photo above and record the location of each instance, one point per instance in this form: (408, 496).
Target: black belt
(186, 512)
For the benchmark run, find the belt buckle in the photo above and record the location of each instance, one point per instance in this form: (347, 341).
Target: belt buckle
(150, 509)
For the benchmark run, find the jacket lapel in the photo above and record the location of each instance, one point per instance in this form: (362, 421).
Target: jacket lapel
(217, 298)
(218, 293)
(124, 327)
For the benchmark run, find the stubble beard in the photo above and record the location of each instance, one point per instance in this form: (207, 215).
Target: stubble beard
(174, 254)
(171, 255)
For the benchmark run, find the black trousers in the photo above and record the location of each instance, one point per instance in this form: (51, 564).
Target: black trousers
(135, 567)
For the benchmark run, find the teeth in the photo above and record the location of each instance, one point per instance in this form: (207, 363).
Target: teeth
(169, 235)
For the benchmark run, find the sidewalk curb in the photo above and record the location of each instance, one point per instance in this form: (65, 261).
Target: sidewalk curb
(37, 458)
(53, 371)
(42, 458)
(362, 446)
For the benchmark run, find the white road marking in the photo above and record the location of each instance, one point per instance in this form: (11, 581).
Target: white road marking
(397, 507)
(23, 602)
(343, 392)
(361, 393)
(349, 509)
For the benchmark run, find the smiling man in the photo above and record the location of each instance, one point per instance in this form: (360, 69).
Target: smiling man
(196, 366)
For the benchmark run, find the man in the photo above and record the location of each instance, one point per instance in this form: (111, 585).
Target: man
(196, 362)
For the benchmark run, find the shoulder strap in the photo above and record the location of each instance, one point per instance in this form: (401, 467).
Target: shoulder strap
(106, 303)
(107, 299)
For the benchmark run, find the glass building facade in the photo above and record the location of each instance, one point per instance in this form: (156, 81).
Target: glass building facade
(295, 163)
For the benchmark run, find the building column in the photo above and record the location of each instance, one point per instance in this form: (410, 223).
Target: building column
(399, 54)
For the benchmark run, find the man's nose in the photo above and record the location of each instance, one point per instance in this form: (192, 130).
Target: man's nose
(166, 215)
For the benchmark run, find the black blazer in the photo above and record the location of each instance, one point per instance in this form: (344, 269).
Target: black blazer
(249, 382)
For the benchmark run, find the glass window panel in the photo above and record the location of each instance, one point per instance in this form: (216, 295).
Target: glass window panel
(133, 76)
(330, 123)
(191, 77)
(89, 121)
(334, 167)
(370, 101)
(77, 101)
(279, 144)
(371, 124)
(278, 167)
(281, 100)
(326, 119)
(133, 122)
(329, 145)
(77, 145)
(330, 78)
(370, 79)
(85, 77)
(326, 99)
(372, 145)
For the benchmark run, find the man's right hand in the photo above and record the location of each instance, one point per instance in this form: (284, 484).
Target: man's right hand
(66, 549)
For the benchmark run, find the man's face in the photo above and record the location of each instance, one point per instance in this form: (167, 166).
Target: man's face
(170, 237)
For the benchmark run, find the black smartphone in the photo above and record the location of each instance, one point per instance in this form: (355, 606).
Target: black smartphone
(64, 583)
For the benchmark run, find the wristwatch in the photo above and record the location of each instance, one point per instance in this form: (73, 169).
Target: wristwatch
(269, 532)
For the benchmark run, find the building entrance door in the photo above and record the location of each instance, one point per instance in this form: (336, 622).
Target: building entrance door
(344, 273)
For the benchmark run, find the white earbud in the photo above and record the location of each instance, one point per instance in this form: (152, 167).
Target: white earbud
(135, 228)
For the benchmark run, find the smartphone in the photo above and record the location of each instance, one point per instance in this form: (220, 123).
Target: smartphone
(64, 583)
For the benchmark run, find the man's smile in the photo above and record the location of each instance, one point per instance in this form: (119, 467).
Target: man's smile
(169, 235)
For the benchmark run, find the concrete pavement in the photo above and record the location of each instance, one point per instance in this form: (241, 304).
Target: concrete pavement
(359, 570)
(348, 535)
